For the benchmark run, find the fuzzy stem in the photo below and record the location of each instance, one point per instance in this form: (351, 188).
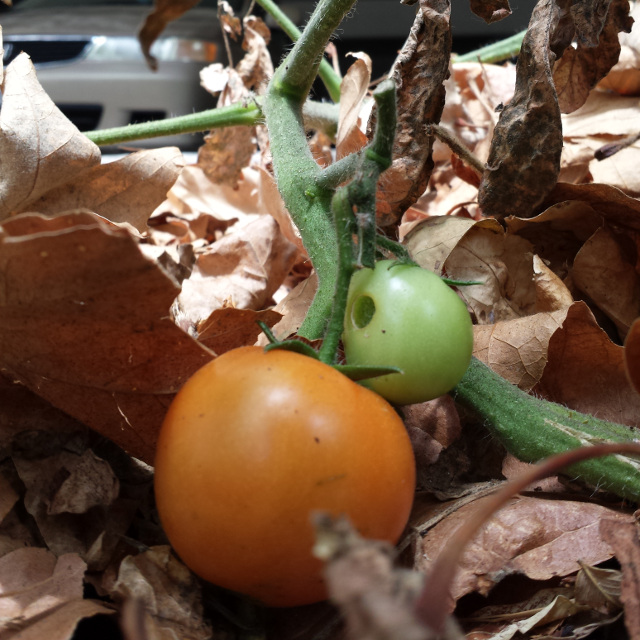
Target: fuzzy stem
(321, 116)
(345, 226)
(232, 115)
(328, 76)
(296, 171)
(532, 429)
(377, 158)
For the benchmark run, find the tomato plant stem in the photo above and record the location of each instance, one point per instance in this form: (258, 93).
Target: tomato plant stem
(532, 429)
(329, 77)
(321, 116)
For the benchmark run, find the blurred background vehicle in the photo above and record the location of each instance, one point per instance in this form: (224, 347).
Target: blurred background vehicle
(89, 61)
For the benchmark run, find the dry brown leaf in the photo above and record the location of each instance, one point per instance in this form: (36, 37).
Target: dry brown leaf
(479, 252)
(604, 118)
(85, 324)
(609, 202)
(623, 539)
(90, 523)
(491, 10)
(164, 12)
(229, 328)
(538, 615)
(229, 22)
(61, 623)
(632, 355)
(517, 349)
(194, 193)
(256, 67)
(293, 309)
(524, 160)
(242, 270)
(166, 588)
(598, 47)
(585, 370)
(127, 190)
(353, 90)
(34, 581)
(624, 77)
(603, 270)
(40, 148)
(598, 587)
(419, 73)
(539, 538)
(551, 292)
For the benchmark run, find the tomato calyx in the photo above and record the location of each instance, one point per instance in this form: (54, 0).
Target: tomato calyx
(354, 372)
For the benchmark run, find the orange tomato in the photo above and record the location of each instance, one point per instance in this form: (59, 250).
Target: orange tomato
(252, 446)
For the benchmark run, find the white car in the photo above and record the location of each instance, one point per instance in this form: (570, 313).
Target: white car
(88, 59)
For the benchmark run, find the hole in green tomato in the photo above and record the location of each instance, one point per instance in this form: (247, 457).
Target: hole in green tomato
(362, 311)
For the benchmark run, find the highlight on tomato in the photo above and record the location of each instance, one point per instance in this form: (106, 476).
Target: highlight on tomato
(407, 317)
(255, 443)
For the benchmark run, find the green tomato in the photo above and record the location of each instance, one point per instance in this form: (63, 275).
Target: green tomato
(407, 317)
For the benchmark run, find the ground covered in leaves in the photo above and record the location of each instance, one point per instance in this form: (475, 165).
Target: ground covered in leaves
(119, 280)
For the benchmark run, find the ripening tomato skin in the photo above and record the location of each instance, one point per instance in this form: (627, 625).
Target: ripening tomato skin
(407, 317)
(252, 445)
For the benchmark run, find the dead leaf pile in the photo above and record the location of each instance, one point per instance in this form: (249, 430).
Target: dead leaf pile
(120, 280)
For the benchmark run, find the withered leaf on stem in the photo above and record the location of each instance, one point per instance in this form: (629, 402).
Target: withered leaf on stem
(524, 160)
(581, 68)
(419, 72)
(85, 324)
(164, 12)
(491, 10)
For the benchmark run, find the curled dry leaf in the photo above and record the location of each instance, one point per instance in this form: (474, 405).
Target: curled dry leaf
(242, 270)
(491, 10)
(524, 160)
(166, 588)
(127, 190)
(353, 90)
(40, 148)
(598, 47)
(624, 77)
(539, 538)
(585, 371)
(85, 324)
(605, 272)
(478, 252)
(419, 73)
(90, 523)
(164, 12)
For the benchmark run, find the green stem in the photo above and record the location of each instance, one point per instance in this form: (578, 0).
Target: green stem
(233, 115)
(345, 226)
(532, 429)
(329, 77)
(377, 158)
(296, 171)
(321, 116)
(496, 52)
